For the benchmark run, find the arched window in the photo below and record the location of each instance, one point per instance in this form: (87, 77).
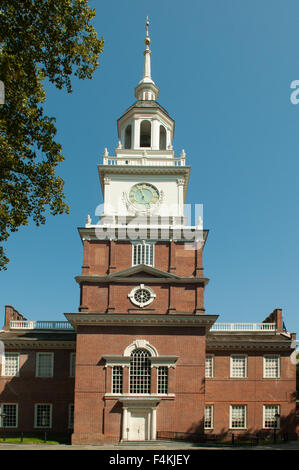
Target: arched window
(145, 134)
(140, 371)
(128, 137)
(162, 138)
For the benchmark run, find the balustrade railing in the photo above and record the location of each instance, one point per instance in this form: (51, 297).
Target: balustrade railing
(144, 161)
(39, 325)
(244, 327)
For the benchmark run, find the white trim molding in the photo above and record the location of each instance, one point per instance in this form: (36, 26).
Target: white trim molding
(141, 344)
(141, 303)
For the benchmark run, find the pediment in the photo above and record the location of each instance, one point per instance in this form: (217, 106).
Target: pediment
(143, 271)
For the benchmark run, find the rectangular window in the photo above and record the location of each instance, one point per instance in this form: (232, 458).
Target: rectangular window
(11, 367)
(238, 416)
(208, 419)
(143, 253)
(271, 367)
(72, 364)
(162, 379)
(71, 416)
(117, 379)
(43, 415)
(44, 364)
(271, 418)
(9, 415)
(209, 366)
(238, 366)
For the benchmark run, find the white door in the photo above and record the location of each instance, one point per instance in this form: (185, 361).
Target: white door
(138, 426)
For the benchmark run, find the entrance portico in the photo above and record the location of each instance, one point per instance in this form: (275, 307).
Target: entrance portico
(139, 418)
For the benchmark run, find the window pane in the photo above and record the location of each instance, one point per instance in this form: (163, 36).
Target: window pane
(73, 364)
(71, 416)
(208, 420)
(44, 365)
(209, 366)
(9, 415)
(43, 416)
(271, 421)
(238, 366)
(11, 364)
(140, 372)
(238, 416)
(143, 254)
(162, 379)
(117, 379)
(271, 366)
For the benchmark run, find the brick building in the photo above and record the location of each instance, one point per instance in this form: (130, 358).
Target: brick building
(141, 359)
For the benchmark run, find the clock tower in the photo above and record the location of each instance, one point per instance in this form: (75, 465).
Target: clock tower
(141, 325)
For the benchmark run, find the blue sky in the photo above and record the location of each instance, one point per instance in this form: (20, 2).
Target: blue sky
(224, 70)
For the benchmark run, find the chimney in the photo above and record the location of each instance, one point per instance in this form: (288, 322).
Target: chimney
(275, 317)
(11, 314)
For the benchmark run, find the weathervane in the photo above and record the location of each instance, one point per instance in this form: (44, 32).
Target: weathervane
(147, 39)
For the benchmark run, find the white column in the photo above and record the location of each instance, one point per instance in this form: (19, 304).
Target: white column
(125, 424)
(153, 423)
(180, 184)
(155, 136)
(107, 202)
(136, 133)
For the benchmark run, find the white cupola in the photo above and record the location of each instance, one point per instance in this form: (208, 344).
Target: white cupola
(146, 124)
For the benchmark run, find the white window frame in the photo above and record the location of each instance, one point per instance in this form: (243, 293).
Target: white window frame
(140, 372)
(16, 405)
(38, 354)
(120, 378)
(212, 417)
(211, 358)
(243, 356)
(35, 415)
(72, 364)
(4, 372)
(143, 244)
(163, 379)
(150, 291)
(271, 356)
(231, 416)
(264, 416)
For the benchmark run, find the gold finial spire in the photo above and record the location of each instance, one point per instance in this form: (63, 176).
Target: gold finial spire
(147, 39)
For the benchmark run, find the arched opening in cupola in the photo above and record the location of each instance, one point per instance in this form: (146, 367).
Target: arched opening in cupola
(162, 138)
(145, 134)
(128, 137)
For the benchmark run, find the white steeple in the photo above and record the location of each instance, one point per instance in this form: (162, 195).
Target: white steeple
(144, 161)
(146, 89)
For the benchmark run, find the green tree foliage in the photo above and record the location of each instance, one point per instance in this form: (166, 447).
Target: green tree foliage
(39, 39)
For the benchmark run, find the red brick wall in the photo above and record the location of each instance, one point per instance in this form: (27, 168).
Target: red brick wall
(254, 391)
(100, 255)
(183, 299)
(182, 413)
(26, 390)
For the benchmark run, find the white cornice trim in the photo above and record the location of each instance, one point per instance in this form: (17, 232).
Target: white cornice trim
(152, 280)
(167, 320)
(21, 343)
(246, 345)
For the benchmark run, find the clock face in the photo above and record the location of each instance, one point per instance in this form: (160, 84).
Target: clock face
(143, 196)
